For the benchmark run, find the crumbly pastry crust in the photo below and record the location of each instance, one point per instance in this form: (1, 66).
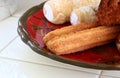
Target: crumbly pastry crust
(109, 12)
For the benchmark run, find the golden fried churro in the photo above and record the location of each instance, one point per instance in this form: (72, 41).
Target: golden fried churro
(68, 29)
(81, 40)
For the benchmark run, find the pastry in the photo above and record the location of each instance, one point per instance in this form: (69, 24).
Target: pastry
(59, 11)
(84, 14)
(82, 40)
(109, 12)
(68, 29)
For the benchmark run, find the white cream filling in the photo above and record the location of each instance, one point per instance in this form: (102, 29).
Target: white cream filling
(74, 19)
(48, 12)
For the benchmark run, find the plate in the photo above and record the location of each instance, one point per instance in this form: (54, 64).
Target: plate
(33, 26)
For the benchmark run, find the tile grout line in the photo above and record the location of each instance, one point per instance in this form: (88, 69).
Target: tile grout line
(5, 18)
(15, 16)
(8, 44)
(100, 74)
(110, 76)
(12, 59)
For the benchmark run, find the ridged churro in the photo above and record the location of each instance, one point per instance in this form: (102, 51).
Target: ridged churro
(68, 29)
(71, 42)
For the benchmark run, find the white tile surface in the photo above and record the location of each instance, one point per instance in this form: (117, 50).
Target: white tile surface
(4, 13)
(19, 50)
(108, 77)
(24, 5)
(15, 69)
(111, 73)
(10, 69)
(7, 7)
(8, 31)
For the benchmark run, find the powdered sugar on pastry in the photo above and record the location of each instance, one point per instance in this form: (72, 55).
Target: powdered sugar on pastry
(81, 3)
(83, 14)
(60, 10)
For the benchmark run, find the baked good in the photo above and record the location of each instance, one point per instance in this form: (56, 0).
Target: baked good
(81, 40)
(67, 30)
(109, 12)
(59, 11)
(84, 14)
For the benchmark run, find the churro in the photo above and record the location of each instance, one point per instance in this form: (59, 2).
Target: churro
(68, 29)
(71, 42)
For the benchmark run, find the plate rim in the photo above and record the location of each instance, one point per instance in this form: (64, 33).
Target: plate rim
(24, 35)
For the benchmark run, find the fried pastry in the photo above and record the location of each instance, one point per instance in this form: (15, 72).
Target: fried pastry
(109, 12)
(81, 40)
(84, 14)
(68, 29)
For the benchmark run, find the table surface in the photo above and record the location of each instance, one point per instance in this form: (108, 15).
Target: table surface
(17, 60)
